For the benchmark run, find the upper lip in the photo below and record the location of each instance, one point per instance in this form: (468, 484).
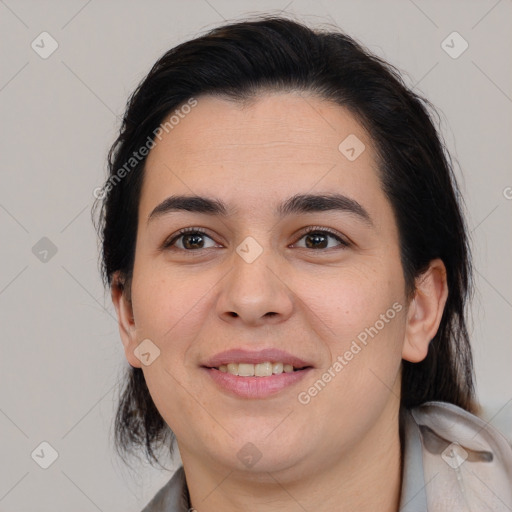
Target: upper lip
(240, 355)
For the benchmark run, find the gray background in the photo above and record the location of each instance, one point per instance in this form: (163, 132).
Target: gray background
(61, 352)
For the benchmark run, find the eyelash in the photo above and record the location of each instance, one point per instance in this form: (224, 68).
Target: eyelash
(313, 229)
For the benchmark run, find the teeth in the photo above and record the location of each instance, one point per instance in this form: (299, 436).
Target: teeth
(277, 368)
(246, 370)
(259, 370)
(263, 369)
(232, 368)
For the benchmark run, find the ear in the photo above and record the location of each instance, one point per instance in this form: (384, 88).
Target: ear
(127, 329)
(425, 311)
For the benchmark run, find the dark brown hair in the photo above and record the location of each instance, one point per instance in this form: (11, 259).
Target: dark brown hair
(243, 59)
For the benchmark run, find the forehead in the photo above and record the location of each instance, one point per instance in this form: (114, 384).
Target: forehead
(275, 144)
(278, 122)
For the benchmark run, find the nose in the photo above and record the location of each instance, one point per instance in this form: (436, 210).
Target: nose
(255, 293)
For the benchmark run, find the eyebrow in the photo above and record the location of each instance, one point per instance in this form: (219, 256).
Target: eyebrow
(297, 204)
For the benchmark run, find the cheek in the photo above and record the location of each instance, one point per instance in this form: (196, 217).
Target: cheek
(168, 311)
(164, 303)
(351, 301)
(370, 341)
(365, 316)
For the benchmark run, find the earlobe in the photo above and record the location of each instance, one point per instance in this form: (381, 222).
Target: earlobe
(126, 321)
(425, 311)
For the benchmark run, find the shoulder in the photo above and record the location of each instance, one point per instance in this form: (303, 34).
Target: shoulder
(467, 463)
(172, 497)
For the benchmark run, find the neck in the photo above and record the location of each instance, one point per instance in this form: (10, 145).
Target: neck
(365, 478)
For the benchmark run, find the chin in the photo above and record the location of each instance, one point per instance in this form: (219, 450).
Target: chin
(264, 455)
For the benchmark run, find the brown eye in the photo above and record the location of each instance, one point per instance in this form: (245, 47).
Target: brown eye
(317, 238)
(193, 241)
(189, 240)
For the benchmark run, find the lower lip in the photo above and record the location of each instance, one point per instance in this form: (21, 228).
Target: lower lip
(256, 387)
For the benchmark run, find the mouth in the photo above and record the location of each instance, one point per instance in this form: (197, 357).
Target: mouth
(261, 374)
(261, 363)
(265, 369)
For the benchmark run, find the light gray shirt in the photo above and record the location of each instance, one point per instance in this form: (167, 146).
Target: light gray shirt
(453, 462)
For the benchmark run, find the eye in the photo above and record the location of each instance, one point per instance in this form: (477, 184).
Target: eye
(188, 239)
(317, 238)
(192, 239)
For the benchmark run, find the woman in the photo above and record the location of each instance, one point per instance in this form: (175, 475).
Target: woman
(286, 253)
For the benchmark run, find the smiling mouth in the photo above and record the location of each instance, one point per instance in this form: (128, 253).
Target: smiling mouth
(265, 369)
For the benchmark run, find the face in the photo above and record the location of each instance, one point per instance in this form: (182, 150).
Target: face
(311, 283)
